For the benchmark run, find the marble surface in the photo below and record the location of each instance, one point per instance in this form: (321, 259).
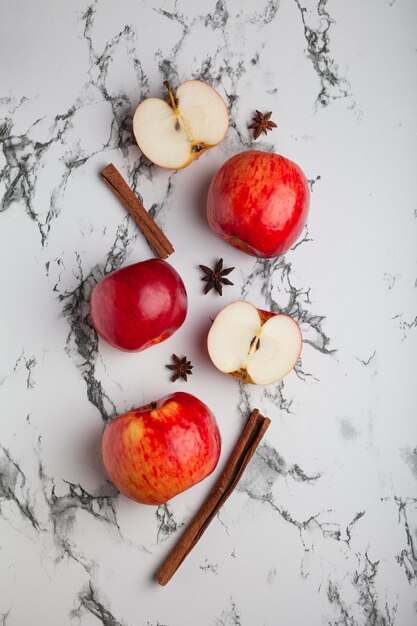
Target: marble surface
(323, 526)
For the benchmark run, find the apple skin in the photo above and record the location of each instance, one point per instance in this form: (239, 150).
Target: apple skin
(258, 202)
(139, 305)
(157, 451)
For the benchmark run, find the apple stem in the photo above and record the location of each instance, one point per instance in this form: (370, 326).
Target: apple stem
(171, 96)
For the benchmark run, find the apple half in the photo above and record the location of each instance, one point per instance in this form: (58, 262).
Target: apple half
(174, 133)
(253, 345)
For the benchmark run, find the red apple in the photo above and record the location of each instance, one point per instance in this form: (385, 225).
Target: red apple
(157, 451)
(258, 202)
(139, 305)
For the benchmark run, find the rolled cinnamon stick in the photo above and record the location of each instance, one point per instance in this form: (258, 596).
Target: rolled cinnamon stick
(156, 238)
(228, 479)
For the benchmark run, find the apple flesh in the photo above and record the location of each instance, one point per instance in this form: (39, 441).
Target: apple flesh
(157, 451)
(258, 202)
(172, 134)
(253, 345)
(139, 305)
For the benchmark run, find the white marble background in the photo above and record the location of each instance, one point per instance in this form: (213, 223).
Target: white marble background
(322, 529)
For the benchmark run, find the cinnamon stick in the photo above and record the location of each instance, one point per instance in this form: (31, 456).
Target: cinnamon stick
(149, 228)
(238, 460)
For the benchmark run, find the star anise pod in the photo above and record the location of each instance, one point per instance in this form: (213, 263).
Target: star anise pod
(216, 278)
(181, 368)
(262, 123)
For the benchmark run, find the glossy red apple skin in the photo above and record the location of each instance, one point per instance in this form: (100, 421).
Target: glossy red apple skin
(258, 202)
(157, 451)
(139, 305)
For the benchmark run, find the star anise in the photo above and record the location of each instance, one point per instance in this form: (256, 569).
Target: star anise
(262, 123)
(181, 368)
(216, 278)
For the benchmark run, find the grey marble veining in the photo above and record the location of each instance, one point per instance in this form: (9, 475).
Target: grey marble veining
(322, 528)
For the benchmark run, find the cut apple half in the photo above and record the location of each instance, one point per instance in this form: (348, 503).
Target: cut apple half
(175, 132)
(253, 345)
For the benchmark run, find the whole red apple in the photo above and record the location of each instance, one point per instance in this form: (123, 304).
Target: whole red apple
(139, 305)
(258, 202)
(157, 451)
